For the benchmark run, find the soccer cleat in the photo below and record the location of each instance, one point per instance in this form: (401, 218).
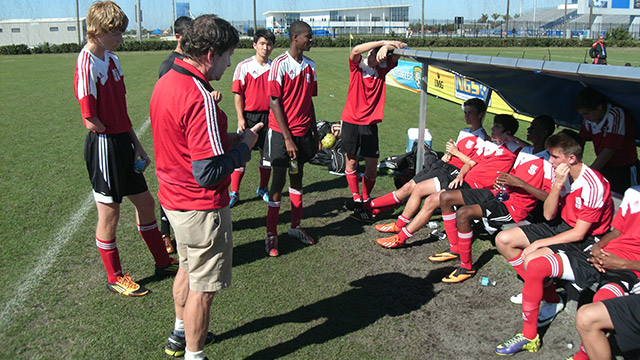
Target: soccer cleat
(176, 344)
(444, 256)
(390, 242)
(363, 215)
(353, 205)
(127, 287)
(548, 312)
(170, 269)
(388, 228)
(234, 197)
(301, 235)
(516, 299)
(271, 245)
(168, 244)
(459, 275)
(517, 344)
(263, 193)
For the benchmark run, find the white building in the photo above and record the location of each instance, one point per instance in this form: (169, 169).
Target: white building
(33, 32)
(625, 12)
(369, 20)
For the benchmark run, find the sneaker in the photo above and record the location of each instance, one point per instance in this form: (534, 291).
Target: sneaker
(170, 269)
(516, 299)
(459, 275)
(517, 344)
(234, 198)
(388, 228)
(444, 256)
(168, 244)
(301, 235)
(390, 242)
(548, 312)
(176, 344)
(363, 215)
(127, 287)
(271, 245)
(353, 205)
(263, 193)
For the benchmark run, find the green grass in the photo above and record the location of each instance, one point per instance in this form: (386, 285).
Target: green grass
(333, 300)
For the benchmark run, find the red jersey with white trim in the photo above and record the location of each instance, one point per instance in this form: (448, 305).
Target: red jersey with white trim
(534, 169)
(187, 126)
(250, 82)
(615, 131)
(295, 84)
(627, 221)
(491, 158)
(100, 90)
(365, 98)
(467, 144)
(588, 199)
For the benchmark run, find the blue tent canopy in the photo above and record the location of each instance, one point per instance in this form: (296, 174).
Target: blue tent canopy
(157, 31)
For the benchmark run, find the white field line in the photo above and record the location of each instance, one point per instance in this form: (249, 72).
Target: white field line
(35, 277)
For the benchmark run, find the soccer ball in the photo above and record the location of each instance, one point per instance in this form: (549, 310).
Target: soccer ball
(328, 141)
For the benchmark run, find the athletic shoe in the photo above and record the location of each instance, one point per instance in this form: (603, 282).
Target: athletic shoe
(168, 244)
(271, 245)
(170, 269)
(353, 205)
(388, 228)
(516, 299)
(548, 312)
(263, 193)
(176, 344)
(301, 235)
(459, 275)
(444, 256)
(390, 242)
(234, 198)
(517, 344)
(363, 215)
(127, 287)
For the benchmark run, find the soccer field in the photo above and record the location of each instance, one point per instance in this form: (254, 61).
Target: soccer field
(344, 298)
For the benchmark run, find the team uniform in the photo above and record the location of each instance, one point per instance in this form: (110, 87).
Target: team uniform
(295, 84)
(598, 53)
(615, 131)
(624, 316)
(490, 158)
(168, 63)
(250, 81)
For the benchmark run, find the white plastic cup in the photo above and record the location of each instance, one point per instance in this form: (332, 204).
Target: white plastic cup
(412, 136)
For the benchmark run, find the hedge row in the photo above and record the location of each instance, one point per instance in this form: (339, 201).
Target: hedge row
(325, 41)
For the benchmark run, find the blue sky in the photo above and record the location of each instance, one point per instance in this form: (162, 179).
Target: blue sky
(158, 13)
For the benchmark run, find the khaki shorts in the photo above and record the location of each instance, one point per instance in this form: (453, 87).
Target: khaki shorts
(205, 246)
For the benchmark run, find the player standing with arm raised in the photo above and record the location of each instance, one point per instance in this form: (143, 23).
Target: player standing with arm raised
(112, 147)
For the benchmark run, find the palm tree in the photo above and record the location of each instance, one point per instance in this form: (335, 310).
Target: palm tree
(483, 19)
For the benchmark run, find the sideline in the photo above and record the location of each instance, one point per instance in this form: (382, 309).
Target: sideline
(35, 277)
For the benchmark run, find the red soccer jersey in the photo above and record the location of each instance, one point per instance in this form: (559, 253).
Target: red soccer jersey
(627, 220)
(534, 169)
(250, 81)
(187, 126)
(100, 90)
(466, 143)
(365, 98)
(491, 158)
(588, 199)
(294, 83)
(615, 131)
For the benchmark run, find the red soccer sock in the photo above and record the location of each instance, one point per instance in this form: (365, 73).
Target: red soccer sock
(518, 264)
(451, 228)
(402, 222)
(382, 209)
(367, 186)
(110, 258)
(464, 245)
(582, 354)
(537, 270)
(404, 234)
(265, 174)
(273, 213)
(385, 201)
(549, 293)
(152, 237)
(236, 178)
(352, 181)
(296, 207)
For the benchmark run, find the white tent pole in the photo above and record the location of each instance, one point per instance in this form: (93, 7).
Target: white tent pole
(423, 118)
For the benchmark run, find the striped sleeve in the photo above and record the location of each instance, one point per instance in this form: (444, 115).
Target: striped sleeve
(202, 127)
(85, 85)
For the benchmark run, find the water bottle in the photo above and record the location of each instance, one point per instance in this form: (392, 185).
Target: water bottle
(293, 166)
(139, 166)
(503, 194)
(485, 281)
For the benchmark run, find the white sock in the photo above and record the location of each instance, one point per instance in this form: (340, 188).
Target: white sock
(179, 327)
(197, 355)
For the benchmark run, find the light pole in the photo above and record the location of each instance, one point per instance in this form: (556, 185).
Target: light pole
(255, 22)
(507, 21)
(565, 19)
(422, 27)
(78, 23)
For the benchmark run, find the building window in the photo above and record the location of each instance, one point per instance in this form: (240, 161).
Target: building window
(375, 18)
(636, 4)
(399, 14)
(71, 28)
(15, 30)
(53, 29)
(350, 18)
(333, 16)
(1, 30)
